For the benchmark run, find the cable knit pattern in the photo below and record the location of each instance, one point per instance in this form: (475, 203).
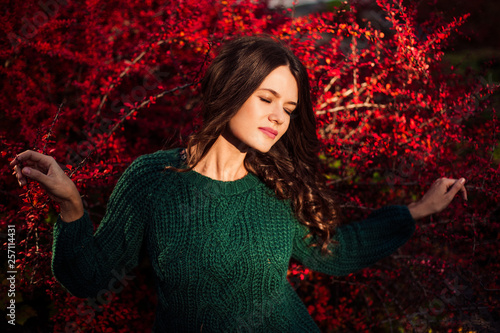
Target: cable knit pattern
(220, 250)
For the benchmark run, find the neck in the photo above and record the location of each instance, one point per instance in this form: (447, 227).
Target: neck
(223, 161)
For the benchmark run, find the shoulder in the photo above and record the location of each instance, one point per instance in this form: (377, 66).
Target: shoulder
(146, 175)
(149, 165)
(160, 158)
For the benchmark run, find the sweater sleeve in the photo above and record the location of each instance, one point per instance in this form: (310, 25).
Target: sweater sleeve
(359, 244)
(86, 263)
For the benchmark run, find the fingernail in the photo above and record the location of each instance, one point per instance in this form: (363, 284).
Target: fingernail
(26, 171)
(462, 180)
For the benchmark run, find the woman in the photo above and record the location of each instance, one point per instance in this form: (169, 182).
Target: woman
(222, 217)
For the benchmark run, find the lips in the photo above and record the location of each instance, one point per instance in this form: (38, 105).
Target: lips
(269, 132)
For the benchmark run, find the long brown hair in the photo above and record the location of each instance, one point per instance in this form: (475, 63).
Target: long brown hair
(291, 167)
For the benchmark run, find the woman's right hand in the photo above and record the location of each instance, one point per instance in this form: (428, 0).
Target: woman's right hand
(45, 170)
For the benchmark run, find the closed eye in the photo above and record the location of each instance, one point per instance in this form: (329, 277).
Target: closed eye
(268, 101)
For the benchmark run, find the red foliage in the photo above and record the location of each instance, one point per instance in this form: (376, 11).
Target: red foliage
(96, 84)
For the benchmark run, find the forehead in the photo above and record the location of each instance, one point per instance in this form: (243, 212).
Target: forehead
(283, 82)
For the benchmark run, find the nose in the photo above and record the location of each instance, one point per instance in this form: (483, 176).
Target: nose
(278, 114)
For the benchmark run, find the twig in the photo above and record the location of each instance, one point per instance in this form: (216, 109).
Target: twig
(348, 205)
(125, 71)
(360, 127)
(352, 106)
(344, 94)
(37, 251)
(28, 181)
(143, 104)
(294, 3)
(52, 126)
(330, 84)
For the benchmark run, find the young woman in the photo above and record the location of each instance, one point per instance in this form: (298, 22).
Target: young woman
(222, 217)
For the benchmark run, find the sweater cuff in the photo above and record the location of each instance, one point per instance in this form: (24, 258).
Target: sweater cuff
(68, 236)
(396, 220)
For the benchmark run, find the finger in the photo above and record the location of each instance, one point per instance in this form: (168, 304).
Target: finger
(31, 163)
(19, 175)
(464, 192)
(14, 161)
(458, 185)
(35, 175)
(31, 157)
(15, 173)
(444, 184)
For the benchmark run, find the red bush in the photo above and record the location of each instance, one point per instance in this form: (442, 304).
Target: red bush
(96, 84)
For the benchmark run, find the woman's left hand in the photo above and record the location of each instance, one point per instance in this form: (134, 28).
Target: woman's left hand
(438, 197)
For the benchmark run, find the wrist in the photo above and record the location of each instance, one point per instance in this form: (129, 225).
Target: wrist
(416, 210)
(71, 210)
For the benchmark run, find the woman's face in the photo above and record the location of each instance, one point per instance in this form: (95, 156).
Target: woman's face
(264, 117)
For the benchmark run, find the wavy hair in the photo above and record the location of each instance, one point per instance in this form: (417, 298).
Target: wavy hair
(291, 167)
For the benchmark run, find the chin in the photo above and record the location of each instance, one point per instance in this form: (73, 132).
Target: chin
(263, 149)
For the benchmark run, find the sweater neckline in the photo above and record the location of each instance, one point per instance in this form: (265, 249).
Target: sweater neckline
(233, 187)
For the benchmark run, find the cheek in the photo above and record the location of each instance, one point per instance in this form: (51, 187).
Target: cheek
(283, 132)
(245, 117)
(286, 127)
(238, 125)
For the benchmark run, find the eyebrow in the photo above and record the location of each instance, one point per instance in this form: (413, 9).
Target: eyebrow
(275, 93)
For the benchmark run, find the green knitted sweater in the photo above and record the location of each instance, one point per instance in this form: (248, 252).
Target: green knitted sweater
(220, 250)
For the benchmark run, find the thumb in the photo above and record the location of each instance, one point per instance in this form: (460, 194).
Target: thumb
(35, 175)
(457, 186)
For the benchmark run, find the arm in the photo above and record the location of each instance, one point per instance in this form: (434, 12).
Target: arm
(85, 263)
(360, 244)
